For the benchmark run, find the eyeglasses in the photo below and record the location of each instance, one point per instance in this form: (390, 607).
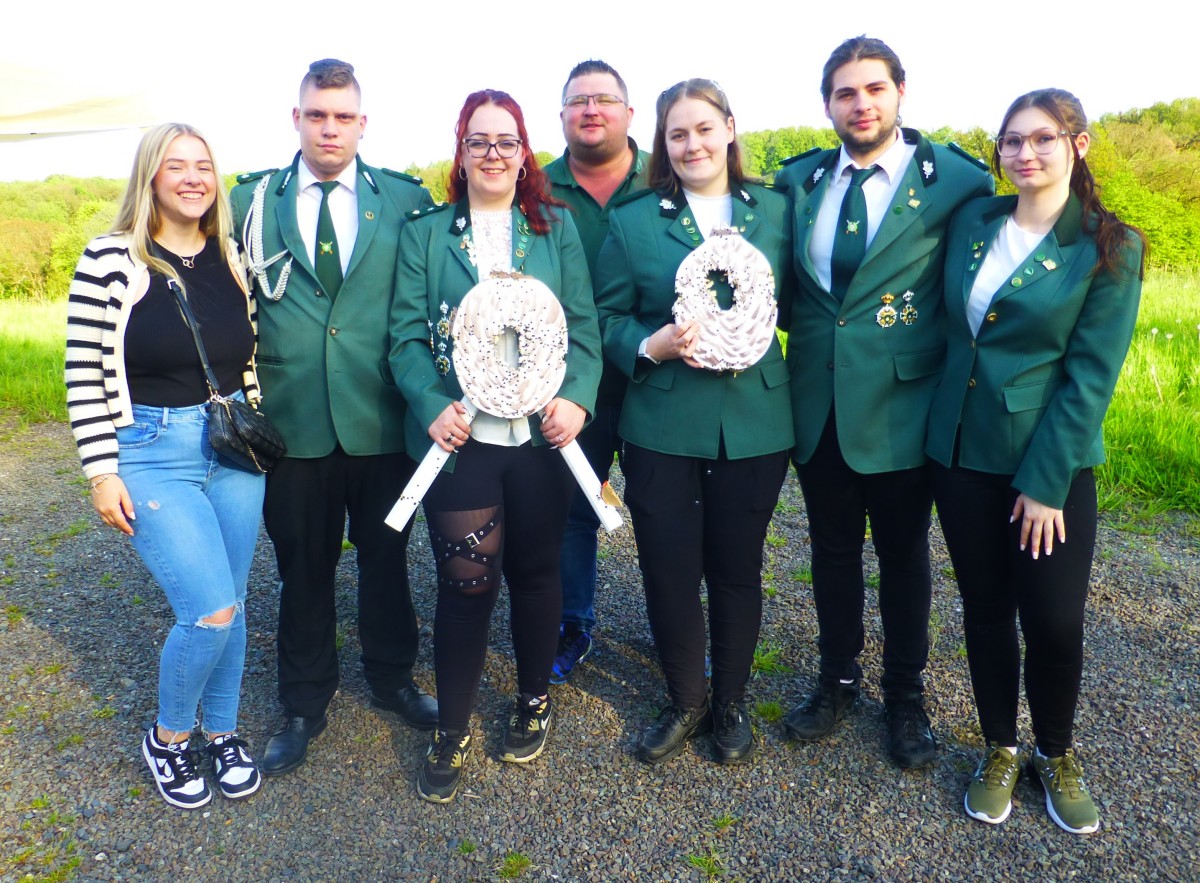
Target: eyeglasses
(506, 148)
(1042, 142)
(601, 99)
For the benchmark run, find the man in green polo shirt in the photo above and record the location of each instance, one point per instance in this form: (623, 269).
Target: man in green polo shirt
(600, 166)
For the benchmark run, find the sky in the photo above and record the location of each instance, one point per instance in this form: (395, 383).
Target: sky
(232, 68)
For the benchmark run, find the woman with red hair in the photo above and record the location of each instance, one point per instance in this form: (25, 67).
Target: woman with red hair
(500, 504)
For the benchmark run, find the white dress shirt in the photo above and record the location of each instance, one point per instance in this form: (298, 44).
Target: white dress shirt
(878, 191)
(1008, 252)
(343, 208)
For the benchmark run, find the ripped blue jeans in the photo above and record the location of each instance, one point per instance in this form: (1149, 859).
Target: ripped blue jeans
(196, 528)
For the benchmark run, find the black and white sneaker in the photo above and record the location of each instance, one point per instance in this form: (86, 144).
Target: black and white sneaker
(175, 773)
(235, 770)
(525, 737)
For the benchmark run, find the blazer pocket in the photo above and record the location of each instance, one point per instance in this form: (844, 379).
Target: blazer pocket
(1030, 396)
(270, 360)
(914, 366)
(660, 377)
(774, 374)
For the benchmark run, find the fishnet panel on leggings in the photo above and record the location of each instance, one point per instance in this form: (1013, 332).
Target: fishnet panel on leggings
(466, 545)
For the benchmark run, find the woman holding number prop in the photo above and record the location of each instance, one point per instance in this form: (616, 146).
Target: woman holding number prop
(138, 404)
(500, 504)
(1042, 292)
(707, 417)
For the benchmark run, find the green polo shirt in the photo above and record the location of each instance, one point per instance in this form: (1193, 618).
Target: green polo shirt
(590, 219)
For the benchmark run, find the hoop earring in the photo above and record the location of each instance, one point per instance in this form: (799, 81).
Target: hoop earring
(462, 173)
(522, 174)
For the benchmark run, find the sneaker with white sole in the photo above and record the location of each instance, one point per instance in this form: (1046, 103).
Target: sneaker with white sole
(237, 775)
(528, 725)
(1067, 798)
(175, 773)
(989, 796)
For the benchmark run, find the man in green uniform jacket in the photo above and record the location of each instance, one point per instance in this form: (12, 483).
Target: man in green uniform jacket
(865, 347)
(600, 166)
(322, 238)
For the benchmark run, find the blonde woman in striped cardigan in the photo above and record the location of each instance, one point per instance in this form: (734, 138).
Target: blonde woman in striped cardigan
(137, 401)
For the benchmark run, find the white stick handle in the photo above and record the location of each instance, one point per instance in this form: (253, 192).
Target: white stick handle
(590, 485)
(431, 464)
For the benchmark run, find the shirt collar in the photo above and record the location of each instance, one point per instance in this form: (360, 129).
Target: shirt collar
(891, 163)
(348, 177)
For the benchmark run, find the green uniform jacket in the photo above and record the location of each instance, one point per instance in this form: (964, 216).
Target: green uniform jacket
(673, 408)
(323, 362)
(880, 379)
(592, 223)
(435, 273)
(1029, 392)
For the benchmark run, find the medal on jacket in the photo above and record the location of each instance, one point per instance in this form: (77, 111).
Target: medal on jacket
(886, 316)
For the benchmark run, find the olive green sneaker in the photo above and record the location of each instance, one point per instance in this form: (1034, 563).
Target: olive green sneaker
(989, 796)
(1067, 797)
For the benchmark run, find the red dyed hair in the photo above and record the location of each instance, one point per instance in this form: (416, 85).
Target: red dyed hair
(533, 191)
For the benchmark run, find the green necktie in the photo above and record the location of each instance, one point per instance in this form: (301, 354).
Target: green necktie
(328, 263)
(850, 239)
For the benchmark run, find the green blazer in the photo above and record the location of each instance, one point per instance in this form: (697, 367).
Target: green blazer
(435, 272)
(1027, 395)
(323, 362)
(673, 408)
(879, 379)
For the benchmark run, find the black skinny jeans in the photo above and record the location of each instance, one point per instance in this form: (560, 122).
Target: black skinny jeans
(998, 582)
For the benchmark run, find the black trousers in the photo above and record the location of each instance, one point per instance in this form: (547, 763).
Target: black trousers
(998, 582)
(839, 500)
(305, 512)
(696, 518)
(502, 510)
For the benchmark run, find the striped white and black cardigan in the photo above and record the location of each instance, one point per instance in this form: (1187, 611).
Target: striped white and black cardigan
(108, 281)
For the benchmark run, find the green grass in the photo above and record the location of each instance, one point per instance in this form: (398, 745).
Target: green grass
(769, 710)
(32, 337)
(1150, 432)
(708, 863)
(768, 659)
(514, 865)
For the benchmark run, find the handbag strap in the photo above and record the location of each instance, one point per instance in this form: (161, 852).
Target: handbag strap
(210, 378)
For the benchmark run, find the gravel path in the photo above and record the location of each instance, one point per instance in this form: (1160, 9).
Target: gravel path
(78, 656)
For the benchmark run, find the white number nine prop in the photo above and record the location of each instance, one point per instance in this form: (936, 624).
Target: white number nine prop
(524, 305)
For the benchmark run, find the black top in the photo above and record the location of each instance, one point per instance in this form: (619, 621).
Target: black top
(161, 362)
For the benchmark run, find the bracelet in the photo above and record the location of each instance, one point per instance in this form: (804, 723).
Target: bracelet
(99, 481)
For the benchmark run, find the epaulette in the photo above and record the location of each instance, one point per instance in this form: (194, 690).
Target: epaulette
(403, 177)
(630, 197)
(974, 159)
(421, 212)
(798, 156)
(254, 176)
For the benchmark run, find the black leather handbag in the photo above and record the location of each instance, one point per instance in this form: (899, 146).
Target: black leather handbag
(236, 429)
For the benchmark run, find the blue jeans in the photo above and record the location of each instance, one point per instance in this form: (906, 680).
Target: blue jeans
(196, 527)
(599, 442)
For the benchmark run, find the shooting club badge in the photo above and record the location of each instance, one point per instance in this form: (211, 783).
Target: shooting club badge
(886, 317)
(908, 314)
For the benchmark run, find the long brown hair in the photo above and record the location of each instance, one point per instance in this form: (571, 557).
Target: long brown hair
(1111, 233)
(533, 191)
(661, 176)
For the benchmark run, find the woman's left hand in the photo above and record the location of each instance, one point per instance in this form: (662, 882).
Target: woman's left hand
(563, 420)
(1039, 524)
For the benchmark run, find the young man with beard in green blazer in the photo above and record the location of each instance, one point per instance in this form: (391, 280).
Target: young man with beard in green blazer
(865, 347)
(322, 238)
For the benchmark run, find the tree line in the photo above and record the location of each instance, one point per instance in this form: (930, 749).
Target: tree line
(1146, 160)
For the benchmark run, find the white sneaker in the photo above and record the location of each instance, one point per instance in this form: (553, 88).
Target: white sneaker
(235, 770)
(175, 773)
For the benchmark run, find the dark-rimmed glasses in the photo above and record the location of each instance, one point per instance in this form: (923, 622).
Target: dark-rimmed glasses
(506, 148)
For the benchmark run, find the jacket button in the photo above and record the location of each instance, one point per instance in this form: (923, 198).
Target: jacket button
(841, 323)
(991, 317)
(333, 332)
(320, 293)
(829, 365)
(971, 383)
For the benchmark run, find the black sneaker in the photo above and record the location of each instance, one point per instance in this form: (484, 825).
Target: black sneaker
(815, 717)
(910, 737)
(733, 736)
(669, 733)
(574, 646)
(237, 775)
(175, 773)
(444, 761)
(528, 725)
